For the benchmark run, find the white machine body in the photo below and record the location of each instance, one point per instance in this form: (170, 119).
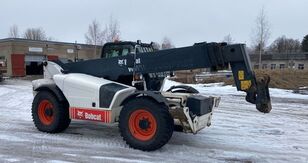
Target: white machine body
(97, 99)
(90, 98)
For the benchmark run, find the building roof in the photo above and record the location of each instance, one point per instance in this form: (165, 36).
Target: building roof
(284, 56)
(43, 42)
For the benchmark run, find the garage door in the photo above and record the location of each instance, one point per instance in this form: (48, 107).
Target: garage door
(35, 58)
(52, 57)
(18, 64)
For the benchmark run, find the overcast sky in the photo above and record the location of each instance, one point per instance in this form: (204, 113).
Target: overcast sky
(184, 21)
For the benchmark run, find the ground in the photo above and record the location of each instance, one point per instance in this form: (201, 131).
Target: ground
(239, 133)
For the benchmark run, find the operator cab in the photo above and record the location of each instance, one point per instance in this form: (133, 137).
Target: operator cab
(123, 48)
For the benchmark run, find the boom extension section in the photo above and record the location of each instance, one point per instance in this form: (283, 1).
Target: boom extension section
(201, 55)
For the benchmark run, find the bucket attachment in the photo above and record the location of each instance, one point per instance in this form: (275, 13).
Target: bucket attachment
(259, 94)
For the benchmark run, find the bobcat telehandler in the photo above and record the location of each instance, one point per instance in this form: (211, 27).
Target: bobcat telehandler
(124, 86)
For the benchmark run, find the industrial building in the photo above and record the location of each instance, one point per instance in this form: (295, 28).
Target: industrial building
(281, 61)
(21, 57)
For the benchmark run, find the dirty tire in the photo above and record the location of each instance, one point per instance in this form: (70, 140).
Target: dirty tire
(145, 124)
(49, 114)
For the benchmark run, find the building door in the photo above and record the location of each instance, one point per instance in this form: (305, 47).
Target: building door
(18, 64)
(34, 64)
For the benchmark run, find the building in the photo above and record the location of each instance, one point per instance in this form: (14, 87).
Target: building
(21, 57)
(281, 61)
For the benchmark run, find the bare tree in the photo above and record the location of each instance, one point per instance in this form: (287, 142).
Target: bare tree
(261, 33)
(97, 36)
(228, 39)
(112, 30)
(14, 32)
(35, 34)
(285, 45)
(167, 43)
(156, 46)
(94, 36)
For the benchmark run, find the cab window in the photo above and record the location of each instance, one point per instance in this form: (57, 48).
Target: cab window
(116, 50)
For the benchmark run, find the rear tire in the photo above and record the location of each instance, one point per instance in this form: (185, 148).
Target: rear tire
(145, 124)
(49, 114)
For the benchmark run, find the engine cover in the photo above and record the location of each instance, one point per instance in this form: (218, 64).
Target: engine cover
(86, 91)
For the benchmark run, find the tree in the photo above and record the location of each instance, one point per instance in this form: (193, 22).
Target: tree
(228, 39)
(167, 43)
(35, 34)
(112, 30)
(156, 46)
(14, 32)
(285, 45)
(305, 44)
(95, 36)
(261, 33)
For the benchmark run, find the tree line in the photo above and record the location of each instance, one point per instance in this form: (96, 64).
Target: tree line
(96, 35)
(261, 34)
(30, 33)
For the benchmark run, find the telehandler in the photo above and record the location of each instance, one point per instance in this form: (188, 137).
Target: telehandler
(124, 86)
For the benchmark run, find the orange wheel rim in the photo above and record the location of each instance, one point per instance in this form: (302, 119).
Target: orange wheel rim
(142, 125)
(46, 112)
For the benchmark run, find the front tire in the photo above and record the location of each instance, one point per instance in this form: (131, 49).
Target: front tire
(49, 114)
(145, 124)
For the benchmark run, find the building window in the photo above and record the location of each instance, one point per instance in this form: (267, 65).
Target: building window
(273, 66)
(300, 66)
(264, 66)
(2, 61)
(292, 65)
(3, 65)
(282, 66)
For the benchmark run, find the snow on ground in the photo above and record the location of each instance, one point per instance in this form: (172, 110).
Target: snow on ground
(239, 133)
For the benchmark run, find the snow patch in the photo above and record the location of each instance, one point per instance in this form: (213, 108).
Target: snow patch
(12, 160)
(219, 89)
(119, 159)
(239, 133)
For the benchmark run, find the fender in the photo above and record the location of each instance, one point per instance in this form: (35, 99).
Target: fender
(157, 96)
(48, 85)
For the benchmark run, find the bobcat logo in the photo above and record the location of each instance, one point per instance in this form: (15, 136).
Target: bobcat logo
(80, 114)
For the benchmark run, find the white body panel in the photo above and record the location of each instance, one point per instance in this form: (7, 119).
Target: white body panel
(83, 93)
(51, 69)
(80, 90)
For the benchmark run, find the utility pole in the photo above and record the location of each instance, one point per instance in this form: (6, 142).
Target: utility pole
(260, 55)
(77, 48)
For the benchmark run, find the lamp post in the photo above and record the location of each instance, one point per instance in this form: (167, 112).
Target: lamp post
(260, 56)
(77, 48)
(46, 46)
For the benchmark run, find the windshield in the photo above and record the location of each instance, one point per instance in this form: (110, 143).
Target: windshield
(117, 50)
